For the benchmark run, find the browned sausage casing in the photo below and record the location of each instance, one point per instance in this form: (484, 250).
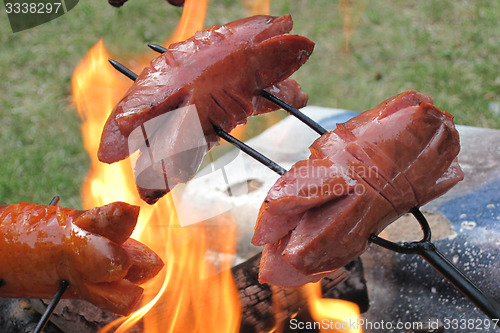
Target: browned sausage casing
(42, 245)
(358, 179)
(221, 72)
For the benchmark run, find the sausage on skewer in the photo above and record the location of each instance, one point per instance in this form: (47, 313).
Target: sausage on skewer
(42, 245)
(213, 79)
(358, 179)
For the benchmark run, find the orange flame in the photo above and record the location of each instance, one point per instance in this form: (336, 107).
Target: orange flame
(191, 294)
(350, 12)
(257, 7)
(334, 315)
(192, 19)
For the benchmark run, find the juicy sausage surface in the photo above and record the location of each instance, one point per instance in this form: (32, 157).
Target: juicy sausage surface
(214, 78)
(358, 179)
(42, 245)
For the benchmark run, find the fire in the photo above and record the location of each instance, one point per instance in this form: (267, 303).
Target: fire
(334, 315)
(192, 19)
(350, 11)
(257, 7)
(191, 294)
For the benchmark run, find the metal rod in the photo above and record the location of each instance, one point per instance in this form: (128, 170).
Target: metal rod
(220, 132)
(294, 112)
(443, 266)
(63, 285)
(124, 70)
(250, 151)
(428, 251)
(405, 247)
(59, 293)
(55, 201)
(423, 223)
(157, 48)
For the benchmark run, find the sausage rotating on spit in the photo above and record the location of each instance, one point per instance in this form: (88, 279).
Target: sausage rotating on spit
(358, 179)
(42, 245)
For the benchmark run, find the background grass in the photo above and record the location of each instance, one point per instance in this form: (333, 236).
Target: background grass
(447, 49)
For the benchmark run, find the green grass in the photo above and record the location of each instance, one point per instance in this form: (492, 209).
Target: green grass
(447, 49)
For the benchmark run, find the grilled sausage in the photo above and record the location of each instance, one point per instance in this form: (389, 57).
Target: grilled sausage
(212, 79)
(42, 245)
(358, 179)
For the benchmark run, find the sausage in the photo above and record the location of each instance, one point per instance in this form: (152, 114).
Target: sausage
(358, 179)
(119, 3)
(42, 245)
(212, 79)
(177, 3)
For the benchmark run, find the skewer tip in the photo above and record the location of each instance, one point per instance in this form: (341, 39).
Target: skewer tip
(55, 200)
(157, 48)
(122, 69)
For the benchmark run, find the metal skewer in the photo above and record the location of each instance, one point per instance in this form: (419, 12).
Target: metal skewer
(157, 48)
(250, 151)
(124, 70)
(55, 201)
(428, 251)
(424, 248)
(219, 131)
(63, 285)
(294, 112)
